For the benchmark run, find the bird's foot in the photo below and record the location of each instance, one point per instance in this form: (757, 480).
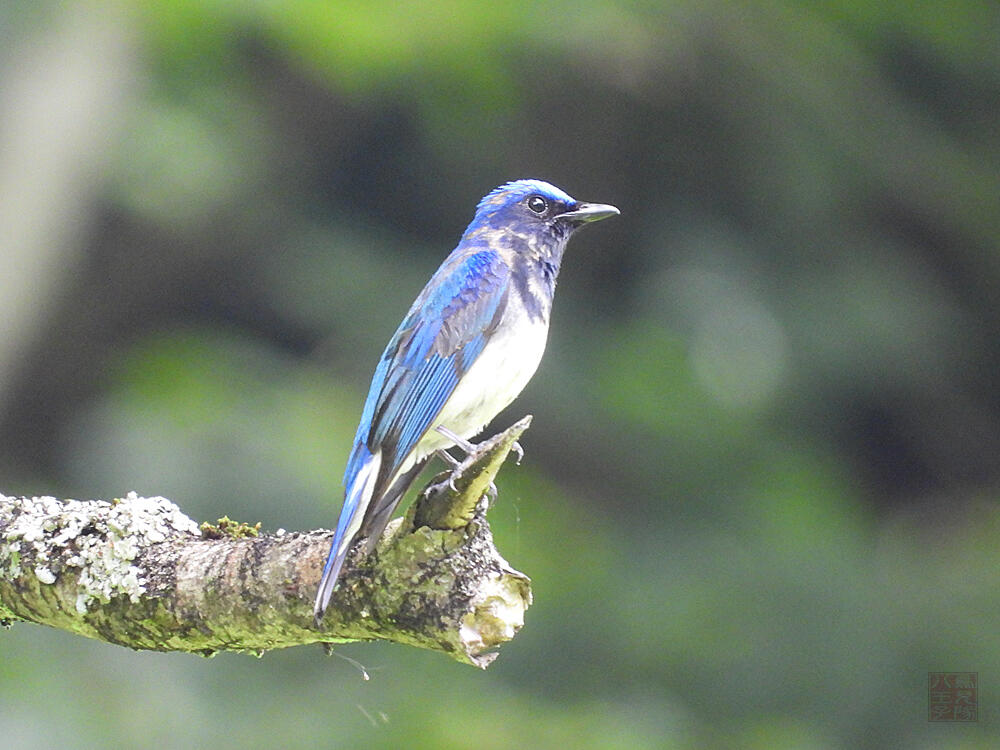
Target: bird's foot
(456, 467)
(471, 448)
(472, 451)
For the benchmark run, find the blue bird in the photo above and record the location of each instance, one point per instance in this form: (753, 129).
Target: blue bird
(469, 344)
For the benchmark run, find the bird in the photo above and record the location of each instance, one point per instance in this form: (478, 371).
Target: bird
(469, 344)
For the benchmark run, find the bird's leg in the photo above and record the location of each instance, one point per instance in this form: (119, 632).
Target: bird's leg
(461, 442)
(470, 451)
(455, 465)
(447, 458)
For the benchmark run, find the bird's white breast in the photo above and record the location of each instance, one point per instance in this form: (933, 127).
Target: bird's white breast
(498, 375)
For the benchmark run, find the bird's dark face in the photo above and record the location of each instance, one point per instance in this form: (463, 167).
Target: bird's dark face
(532, 208)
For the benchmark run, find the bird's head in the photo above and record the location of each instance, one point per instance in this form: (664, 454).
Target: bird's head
(535, 208)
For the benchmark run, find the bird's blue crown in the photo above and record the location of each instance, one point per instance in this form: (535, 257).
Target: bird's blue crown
(505, 208)
(518, 190)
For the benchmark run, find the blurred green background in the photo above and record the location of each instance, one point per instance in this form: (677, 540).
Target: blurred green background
(759, 501)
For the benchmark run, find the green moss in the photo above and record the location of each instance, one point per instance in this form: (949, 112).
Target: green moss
(7, 618)
(226, 528)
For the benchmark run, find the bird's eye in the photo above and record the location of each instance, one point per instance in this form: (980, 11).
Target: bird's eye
(537, 204)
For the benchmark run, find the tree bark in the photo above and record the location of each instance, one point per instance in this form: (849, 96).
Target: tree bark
(139, 573)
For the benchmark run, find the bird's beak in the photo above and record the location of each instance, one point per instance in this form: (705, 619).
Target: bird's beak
(587, 212)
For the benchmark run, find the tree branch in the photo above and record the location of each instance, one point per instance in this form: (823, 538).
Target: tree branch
(139, 573)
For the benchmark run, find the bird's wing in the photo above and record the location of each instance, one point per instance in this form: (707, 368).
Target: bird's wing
(441, 337)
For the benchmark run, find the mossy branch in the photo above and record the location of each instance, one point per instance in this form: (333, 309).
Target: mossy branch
(139, 573)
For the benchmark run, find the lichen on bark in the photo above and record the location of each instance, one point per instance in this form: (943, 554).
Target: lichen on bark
(138, 572)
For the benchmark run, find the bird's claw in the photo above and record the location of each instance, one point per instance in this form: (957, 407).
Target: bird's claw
(516, 447)
(471, 451)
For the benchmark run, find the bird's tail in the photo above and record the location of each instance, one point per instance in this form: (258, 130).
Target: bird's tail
(357, 497)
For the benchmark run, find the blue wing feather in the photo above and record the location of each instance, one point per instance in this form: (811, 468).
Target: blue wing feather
(442, 335)
(435, 345)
